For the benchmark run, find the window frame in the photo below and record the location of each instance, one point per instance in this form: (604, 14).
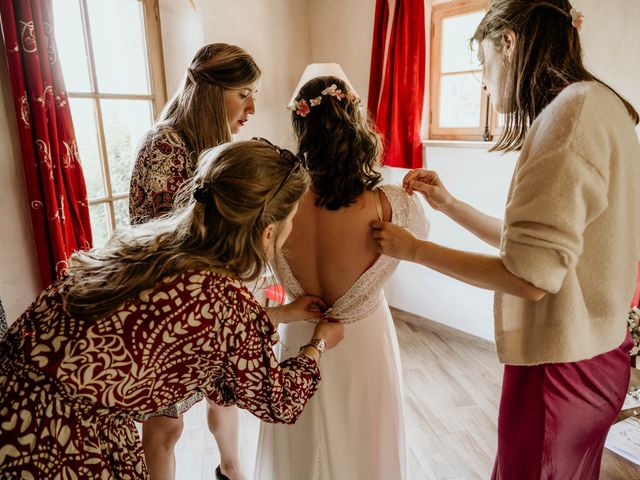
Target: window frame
(439, 12)
(157, 95)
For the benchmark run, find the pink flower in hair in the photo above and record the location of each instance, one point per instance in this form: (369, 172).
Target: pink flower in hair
(302, 108)
(315, 101)
(334, 91)
(330, 89)
(577, 19)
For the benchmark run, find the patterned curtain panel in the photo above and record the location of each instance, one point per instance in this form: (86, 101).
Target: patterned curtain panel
(397, 80)
(55, 185)
(3, 322)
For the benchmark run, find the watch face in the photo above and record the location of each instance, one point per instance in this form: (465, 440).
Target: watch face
(322, 345)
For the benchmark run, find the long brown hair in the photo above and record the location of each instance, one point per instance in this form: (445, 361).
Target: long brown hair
(197, 110)
(547, 58)
(339, 144)
(241, 188)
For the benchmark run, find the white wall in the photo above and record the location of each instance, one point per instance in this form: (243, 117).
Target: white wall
(19, 277)
(274, 32)
(611, 44)
(481, 179)
(341, 32)
(182, 36)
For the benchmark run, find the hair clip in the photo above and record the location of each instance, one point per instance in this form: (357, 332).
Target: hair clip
(201, 193)
(190, 75)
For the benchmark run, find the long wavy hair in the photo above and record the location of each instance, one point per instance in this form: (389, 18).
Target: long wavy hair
(338, 143)
(197, 110)
(242, 187)
(546, 59)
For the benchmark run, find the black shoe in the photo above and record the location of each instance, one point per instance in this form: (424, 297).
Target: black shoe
(219, 475)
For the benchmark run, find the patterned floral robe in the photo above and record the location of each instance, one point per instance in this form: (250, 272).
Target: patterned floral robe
(69, 389)
(163, 164)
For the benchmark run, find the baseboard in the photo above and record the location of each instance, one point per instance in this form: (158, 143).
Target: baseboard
(439, 328)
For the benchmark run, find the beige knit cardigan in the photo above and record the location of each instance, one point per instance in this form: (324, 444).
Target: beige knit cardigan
(572, 228)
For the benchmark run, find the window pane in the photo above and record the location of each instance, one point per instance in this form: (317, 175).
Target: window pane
(460, 97)
(99, 224)
(121, 208)
(71, 47)
(84, 123)
(456, 32)
(119, 48)
(125, 121)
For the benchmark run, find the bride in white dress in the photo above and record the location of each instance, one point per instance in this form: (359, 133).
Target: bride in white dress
(352, 429)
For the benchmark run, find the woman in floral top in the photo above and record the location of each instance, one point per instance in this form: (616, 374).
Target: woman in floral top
(157, 315)
(214, 102)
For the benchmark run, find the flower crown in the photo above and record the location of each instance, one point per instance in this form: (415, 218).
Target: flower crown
(302, 107)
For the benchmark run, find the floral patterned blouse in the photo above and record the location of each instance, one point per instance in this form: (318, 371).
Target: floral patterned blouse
(69, 389)
(163, 164)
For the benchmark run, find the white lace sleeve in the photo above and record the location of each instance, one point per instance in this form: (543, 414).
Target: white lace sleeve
(407, 211)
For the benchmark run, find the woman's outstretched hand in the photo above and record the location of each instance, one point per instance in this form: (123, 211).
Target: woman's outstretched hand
(428, 183)
(303, 308)
(395, 241)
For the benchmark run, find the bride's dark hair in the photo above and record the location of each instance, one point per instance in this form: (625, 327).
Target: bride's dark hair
(338, 143)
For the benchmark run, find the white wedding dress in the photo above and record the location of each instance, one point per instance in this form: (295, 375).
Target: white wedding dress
(352, 429)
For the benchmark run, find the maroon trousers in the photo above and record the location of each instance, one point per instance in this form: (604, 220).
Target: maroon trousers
(554, 418)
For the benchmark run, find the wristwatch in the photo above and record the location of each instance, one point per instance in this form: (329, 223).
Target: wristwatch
(318, 343)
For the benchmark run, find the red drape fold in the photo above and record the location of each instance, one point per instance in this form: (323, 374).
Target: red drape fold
(380, 28)
(55, 184)
(396, 98)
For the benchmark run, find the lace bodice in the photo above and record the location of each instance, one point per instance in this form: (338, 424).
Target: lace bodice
(365, 294)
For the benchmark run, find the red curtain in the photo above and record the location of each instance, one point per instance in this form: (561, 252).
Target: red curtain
(396, 96)
(55, 185)
(380, 28)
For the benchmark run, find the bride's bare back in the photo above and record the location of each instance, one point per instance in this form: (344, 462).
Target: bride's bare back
(329, 249)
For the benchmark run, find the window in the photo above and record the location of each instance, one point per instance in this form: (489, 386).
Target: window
(458, 109)
(111, 58)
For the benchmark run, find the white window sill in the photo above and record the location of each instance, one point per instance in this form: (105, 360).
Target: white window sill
(458, 144)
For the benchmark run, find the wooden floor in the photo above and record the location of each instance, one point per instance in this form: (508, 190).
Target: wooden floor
(452, 391)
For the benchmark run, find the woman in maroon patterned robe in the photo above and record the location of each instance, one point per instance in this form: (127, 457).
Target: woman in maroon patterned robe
(156, 316)
(214, 102)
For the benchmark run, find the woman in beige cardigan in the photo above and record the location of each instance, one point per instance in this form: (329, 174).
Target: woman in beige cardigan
(569, 243)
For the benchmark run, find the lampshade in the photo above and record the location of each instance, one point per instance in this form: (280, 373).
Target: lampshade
(320, 70)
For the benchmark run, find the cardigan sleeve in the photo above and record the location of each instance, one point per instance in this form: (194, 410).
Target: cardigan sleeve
(554, 198)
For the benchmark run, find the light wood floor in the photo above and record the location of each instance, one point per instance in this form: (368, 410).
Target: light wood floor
(452, 391)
